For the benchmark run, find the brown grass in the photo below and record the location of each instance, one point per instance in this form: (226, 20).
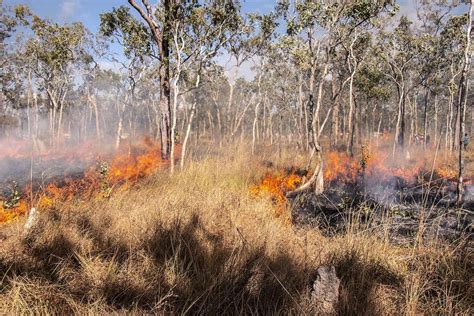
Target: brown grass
(199, 243)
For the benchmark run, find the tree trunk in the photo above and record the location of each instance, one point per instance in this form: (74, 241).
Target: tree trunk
(425, 118)
(165, 111)
(435, 132)
(257, 106)
(186, 137)
(351, 111)
(350, 146)
(301, 109)
(174, 119)
(162, 39)
(401, 139)
(230, 99)
(462, 103)
(457, 121)
(179, 48)
(93, 101)
(449, 121)
(400, 126)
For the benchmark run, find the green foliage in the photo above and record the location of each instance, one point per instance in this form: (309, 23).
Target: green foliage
(53, 46)
(7, 23)
(365, 10)
(14, 197)
(353, 14)
(128, 31)
(371, 80)
(453, 39)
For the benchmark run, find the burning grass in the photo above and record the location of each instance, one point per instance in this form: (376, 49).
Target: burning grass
(371, 163)
(275, 185)
(115, 171)
(202, 243)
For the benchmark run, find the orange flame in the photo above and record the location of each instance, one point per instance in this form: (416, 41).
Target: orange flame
(276, 186)
(122, 170)
(340, 168)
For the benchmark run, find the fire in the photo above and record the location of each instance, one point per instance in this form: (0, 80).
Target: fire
(104, 175)
(340, 168)
(276, 186)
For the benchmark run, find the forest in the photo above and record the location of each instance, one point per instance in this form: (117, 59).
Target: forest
(237, 157)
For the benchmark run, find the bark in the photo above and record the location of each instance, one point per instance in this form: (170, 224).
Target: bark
(457, 125)
(462, 104)
(401, 138)
(352, 131)
(449, 121)
(335, 125)
(351, 107)
(413, 128)
(400, 125)
(425, 118)
(316, 182)
(118, 136)
(93, 101)
(435, 132)
(241, 116)
(301, 117)
(186, 137)
(179, 48)
(257, 107)
(352, 65)
(231, 98)
(162, 40)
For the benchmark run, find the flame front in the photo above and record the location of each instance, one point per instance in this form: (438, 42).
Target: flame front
(275, 186)
(121, 170)
(376, 163)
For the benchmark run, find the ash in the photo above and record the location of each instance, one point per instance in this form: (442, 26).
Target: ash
(404, 212)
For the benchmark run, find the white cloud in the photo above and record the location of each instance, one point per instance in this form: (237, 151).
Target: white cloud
(68, 8)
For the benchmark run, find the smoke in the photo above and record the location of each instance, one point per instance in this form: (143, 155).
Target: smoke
(36, 151)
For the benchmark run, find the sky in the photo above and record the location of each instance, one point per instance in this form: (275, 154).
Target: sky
(88, 11)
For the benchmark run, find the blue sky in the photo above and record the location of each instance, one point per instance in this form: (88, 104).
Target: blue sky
(88, 11)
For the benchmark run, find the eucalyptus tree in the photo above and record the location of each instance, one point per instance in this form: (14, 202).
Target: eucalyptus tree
(7, 27)
(284, 87)
(52, 54)
(121, 26)
(152, 39)
(462, 101)
(431, 59)
(108, 89)
(357, 49)
(452, 45)
(199, 31)
(398, 49)
(255, 34)
(336, 21)
(375, 87)
(173, 33)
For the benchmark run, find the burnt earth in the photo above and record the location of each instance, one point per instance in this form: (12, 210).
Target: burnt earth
(42, 172)
(394, 208)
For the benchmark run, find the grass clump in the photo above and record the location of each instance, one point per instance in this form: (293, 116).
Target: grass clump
(200, 243)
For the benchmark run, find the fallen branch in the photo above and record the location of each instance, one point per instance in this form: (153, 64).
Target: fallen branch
(307, 185)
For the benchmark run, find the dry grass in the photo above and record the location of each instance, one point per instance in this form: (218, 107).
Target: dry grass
(199, 243)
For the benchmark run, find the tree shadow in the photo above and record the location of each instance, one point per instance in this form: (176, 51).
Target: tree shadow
(219, 277)
(359, 278)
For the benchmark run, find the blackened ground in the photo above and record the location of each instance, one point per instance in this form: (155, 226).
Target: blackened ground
(395, 208)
